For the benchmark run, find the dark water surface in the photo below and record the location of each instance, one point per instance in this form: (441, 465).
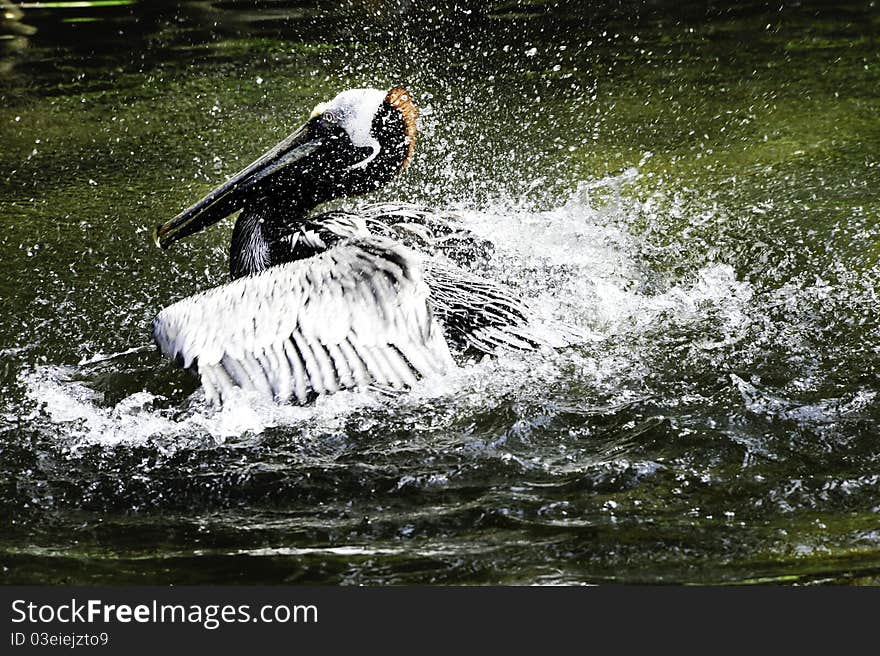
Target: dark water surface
(695, 184)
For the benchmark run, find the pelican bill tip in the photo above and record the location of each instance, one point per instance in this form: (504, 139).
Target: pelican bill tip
(156, 239)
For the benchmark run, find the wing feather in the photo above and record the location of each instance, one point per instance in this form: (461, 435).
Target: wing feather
(355, 315)
(485, 316)
(358, 369)
(299, 380)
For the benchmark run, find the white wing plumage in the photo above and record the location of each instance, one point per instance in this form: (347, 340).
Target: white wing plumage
(355, 315)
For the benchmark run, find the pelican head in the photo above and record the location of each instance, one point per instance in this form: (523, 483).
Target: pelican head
(352, 144)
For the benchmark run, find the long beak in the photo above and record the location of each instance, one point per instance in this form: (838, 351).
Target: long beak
(231, 195)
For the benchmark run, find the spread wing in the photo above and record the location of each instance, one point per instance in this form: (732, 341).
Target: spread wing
(352, 316)
(477, 314)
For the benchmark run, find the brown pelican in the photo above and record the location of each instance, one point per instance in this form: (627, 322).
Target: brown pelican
(336, 300)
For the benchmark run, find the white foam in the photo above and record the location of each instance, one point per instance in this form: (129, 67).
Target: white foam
(137, 418)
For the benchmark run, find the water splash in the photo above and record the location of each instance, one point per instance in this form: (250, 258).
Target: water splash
(579, 263)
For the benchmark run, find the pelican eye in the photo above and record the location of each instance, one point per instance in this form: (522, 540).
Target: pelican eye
(330, 116)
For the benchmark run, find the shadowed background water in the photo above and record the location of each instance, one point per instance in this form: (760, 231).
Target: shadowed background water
(693, 183)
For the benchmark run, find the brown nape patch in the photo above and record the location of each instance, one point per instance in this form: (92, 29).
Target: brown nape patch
(402, 101)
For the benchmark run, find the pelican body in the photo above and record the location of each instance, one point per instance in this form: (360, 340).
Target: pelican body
(323, 302)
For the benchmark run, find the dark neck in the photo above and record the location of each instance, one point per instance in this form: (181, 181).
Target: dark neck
(260, 238)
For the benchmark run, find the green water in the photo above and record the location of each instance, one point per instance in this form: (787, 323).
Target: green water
(695, 184)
